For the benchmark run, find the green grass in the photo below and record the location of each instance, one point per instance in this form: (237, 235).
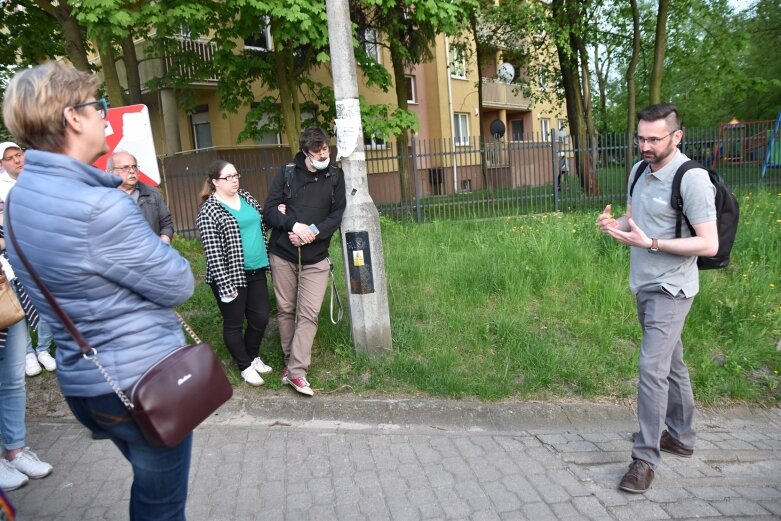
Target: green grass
(538, 307)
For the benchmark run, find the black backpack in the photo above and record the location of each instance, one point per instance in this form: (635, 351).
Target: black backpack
(727, 212)
(333, 174)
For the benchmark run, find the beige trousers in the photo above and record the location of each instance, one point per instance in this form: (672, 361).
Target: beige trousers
(298, 332)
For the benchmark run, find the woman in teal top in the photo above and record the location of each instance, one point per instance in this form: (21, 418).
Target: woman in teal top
(231, 227)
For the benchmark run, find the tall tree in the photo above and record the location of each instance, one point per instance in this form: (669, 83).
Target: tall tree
(660, 43)
(630, 82)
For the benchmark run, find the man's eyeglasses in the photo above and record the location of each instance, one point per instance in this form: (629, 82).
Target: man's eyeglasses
(230, 177)
(101, 105)
(128, 168)
(653, 141)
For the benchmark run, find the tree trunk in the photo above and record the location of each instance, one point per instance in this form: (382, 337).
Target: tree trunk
(473, 26)
(72, 32)
(630, 86)
(568, 62)
(402, 140)
(288, 100)
(131, 70)
(588, 105)
(110, 76)
(657, 72)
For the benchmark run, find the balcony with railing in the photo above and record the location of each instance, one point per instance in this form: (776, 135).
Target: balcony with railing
(501, 95)
(191, 52)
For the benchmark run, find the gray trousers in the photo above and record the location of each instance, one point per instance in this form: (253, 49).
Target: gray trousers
(664, 395)
(298, 309)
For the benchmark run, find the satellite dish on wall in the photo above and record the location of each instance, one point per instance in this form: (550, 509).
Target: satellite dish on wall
(497, 128)
(506, 72)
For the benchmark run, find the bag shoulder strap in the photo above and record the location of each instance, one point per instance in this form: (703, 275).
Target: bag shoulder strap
(640, 169)
(676, 201)
(64, 318)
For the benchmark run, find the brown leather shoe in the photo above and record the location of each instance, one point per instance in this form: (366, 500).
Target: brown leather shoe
(668, 444)
(638, 479)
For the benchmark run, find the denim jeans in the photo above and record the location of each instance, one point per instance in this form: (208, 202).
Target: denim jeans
(160, 474)
(12, 391)
(252, 303)
(44, 339)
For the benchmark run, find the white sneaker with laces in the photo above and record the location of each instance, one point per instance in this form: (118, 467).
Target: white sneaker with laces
(28, 463)
(251, 376)
(31, 365)
(47, 361)
(260, 367)
(10, 478)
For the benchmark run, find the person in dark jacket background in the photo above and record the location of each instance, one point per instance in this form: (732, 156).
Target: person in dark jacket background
(157, 214)
(298, 251)
(114, 278)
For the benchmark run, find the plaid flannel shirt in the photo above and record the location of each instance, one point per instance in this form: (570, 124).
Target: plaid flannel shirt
(221, 239)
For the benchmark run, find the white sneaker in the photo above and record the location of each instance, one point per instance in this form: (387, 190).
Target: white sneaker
(31, 365)
(47, 361)
(251, 376)
(10, 478)
(28, 463)
(260, 367)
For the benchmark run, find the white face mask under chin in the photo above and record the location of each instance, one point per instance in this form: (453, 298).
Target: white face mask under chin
(320, 165)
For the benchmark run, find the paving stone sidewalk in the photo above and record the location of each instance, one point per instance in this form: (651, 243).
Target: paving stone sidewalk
(280, 457)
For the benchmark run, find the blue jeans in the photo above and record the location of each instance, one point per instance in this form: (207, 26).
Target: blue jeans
(12, 391)
(44, 339)
(160, 474)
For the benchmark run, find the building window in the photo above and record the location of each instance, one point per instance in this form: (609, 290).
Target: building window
(461, 129)
(516, 129)
(374, 143)
(271, 138)
(202, 129)
(372, 44)
(545, 128)
(542, 79)
(260, 40)
(412, 96)
(457, 63)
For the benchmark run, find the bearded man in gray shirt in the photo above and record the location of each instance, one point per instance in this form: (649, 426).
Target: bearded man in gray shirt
(664, 278)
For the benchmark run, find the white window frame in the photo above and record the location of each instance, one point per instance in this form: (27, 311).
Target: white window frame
(266, 32)
(457, 63)
(372, 44)
(542, 79)
(545, 128)
(461, 129)
(412, 88)
(199, 120)
(271, 136)
(374, 143)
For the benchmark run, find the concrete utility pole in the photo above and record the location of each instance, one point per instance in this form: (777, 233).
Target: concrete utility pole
(361, 238)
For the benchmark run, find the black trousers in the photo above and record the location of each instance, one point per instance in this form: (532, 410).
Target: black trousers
(252, 304)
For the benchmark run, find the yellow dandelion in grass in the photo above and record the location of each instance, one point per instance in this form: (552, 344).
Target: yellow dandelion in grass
(772, 286)
(574, 231)
(778, 221)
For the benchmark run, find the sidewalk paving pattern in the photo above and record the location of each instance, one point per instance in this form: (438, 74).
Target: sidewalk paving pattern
(281, 457)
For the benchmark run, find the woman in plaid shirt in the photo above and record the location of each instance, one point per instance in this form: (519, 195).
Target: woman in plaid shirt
(231, 227)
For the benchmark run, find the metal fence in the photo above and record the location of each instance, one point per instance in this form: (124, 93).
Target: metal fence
(477, 179)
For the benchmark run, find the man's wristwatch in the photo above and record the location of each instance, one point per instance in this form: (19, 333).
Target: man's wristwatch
(654, 246)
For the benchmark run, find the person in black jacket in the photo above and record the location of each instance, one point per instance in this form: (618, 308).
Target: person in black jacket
(312, 193)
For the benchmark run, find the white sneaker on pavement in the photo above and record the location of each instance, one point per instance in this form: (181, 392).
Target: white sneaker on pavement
(251, 376)
(260, 367)
(10, 478)
(47, 361)
(31, 365)
(28, 463)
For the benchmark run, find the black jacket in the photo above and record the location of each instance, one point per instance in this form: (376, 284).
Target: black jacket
(312, 198)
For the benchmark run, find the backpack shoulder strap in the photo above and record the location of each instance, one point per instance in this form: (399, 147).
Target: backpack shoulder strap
(641, 166)
(676, 201)
(333, 173)
(290, 169)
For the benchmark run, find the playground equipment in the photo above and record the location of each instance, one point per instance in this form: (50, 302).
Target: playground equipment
(773, 154)
(742, 142)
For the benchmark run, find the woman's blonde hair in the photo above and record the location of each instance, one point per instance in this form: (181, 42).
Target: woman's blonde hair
(36, 99)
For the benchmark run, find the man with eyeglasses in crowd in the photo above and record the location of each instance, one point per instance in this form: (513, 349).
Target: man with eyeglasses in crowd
(664, 278)
(150, 201)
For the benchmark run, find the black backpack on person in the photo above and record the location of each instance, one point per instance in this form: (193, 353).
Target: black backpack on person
(727, 212)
